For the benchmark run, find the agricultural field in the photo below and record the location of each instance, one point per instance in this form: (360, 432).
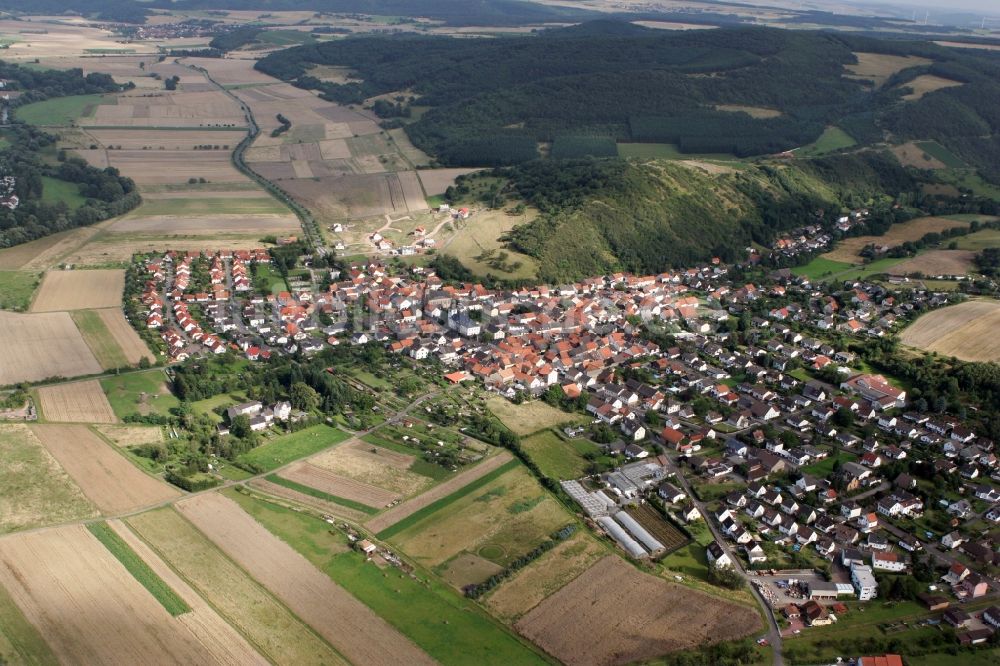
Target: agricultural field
(105, 476)
(936, 262)
(912, 155)
(78, 402)
(20, 641)
(664, 532)
(406, 602)
(40, 346)
(352, 628)
(86, 604)
(45, 252)
(966, 331)
(124, 336)
(820, 267)
(545, 576)
(926, 83)
(556, 457)
(752, 111)
(498, 522)
(131, 435)
(337, 486)
(60, 111)
(276, 632)
(276, 486)
(403, 515)
(98, 338)
(16, 288)
(375, 465)
(437, 181)
(79, 290)
(847, 250)
(878, 67)
(140, 393)
(979, 240)
(529, 417)
(832, 138)
(37, 491)
(287, 448)
(614, 614)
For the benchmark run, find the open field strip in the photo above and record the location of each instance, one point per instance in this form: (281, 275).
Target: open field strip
(105, 476)
(86, 604)
(37, 491)
(268, 625)
(309, 497)
(124, 335)
(77, 402)
(40, 346)
(382, 523)
(97, 336)
(327, 482)
(79, 290)
(352, 628)
(614, 614)
(966, 331)
(217, 637)
(20, 641)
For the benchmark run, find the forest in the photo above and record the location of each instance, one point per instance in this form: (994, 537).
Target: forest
(492, 102)
(107, 192)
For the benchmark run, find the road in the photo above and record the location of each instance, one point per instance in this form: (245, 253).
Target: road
(774, 632)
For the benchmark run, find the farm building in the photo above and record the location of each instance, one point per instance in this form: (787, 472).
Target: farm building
(616, 532)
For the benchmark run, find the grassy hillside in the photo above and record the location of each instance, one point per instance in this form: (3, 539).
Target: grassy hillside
(649, 215)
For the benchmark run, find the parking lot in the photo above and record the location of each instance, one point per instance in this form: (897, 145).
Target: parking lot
(779, 592)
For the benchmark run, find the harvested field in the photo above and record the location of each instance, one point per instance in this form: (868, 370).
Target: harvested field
(752, 111)
(614, 614)
(36, 490)
(79, 402)
(218, 639)
(468, 569)
(878, 67)
(255, 225)
(87, 605)
(545, 576)
(413, 194)
(927, 83)
(352, 628)
(499, 522)
(106, 477)
(936, 262)
(966, 331)
(436, 181)
(278, 634)
(375, 466)
(910, 154)
(847, 250)
(146, 139)
(98, 338)
(408, 508)
(131, 435)
(229, 71)
(42, 253)
(175, 166)
(79, 290)
(124, 335)
(349, 196)
(120, 248)
(338, 486)
(39, 346)
(528, 417)
(332, 508)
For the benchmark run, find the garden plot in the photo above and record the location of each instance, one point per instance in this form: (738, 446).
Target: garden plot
(614, 614)
(109, 480)
(39, 346)
(79, 402)
(79, 290)
(351, 627)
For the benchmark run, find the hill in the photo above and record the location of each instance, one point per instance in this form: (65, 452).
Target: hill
(746, 91)
(647, 216)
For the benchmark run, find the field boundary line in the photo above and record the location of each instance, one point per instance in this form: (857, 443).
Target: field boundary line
(435, 506)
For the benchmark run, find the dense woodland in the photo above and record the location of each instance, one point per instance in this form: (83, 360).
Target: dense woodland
(493, 101)
(106, 192)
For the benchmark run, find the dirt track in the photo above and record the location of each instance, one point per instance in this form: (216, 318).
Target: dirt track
(104, 475)
(86, 604)
(400, 511)
(350, 626)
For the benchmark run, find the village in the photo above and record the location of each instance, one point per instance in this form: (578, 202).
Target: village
(795, 457)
